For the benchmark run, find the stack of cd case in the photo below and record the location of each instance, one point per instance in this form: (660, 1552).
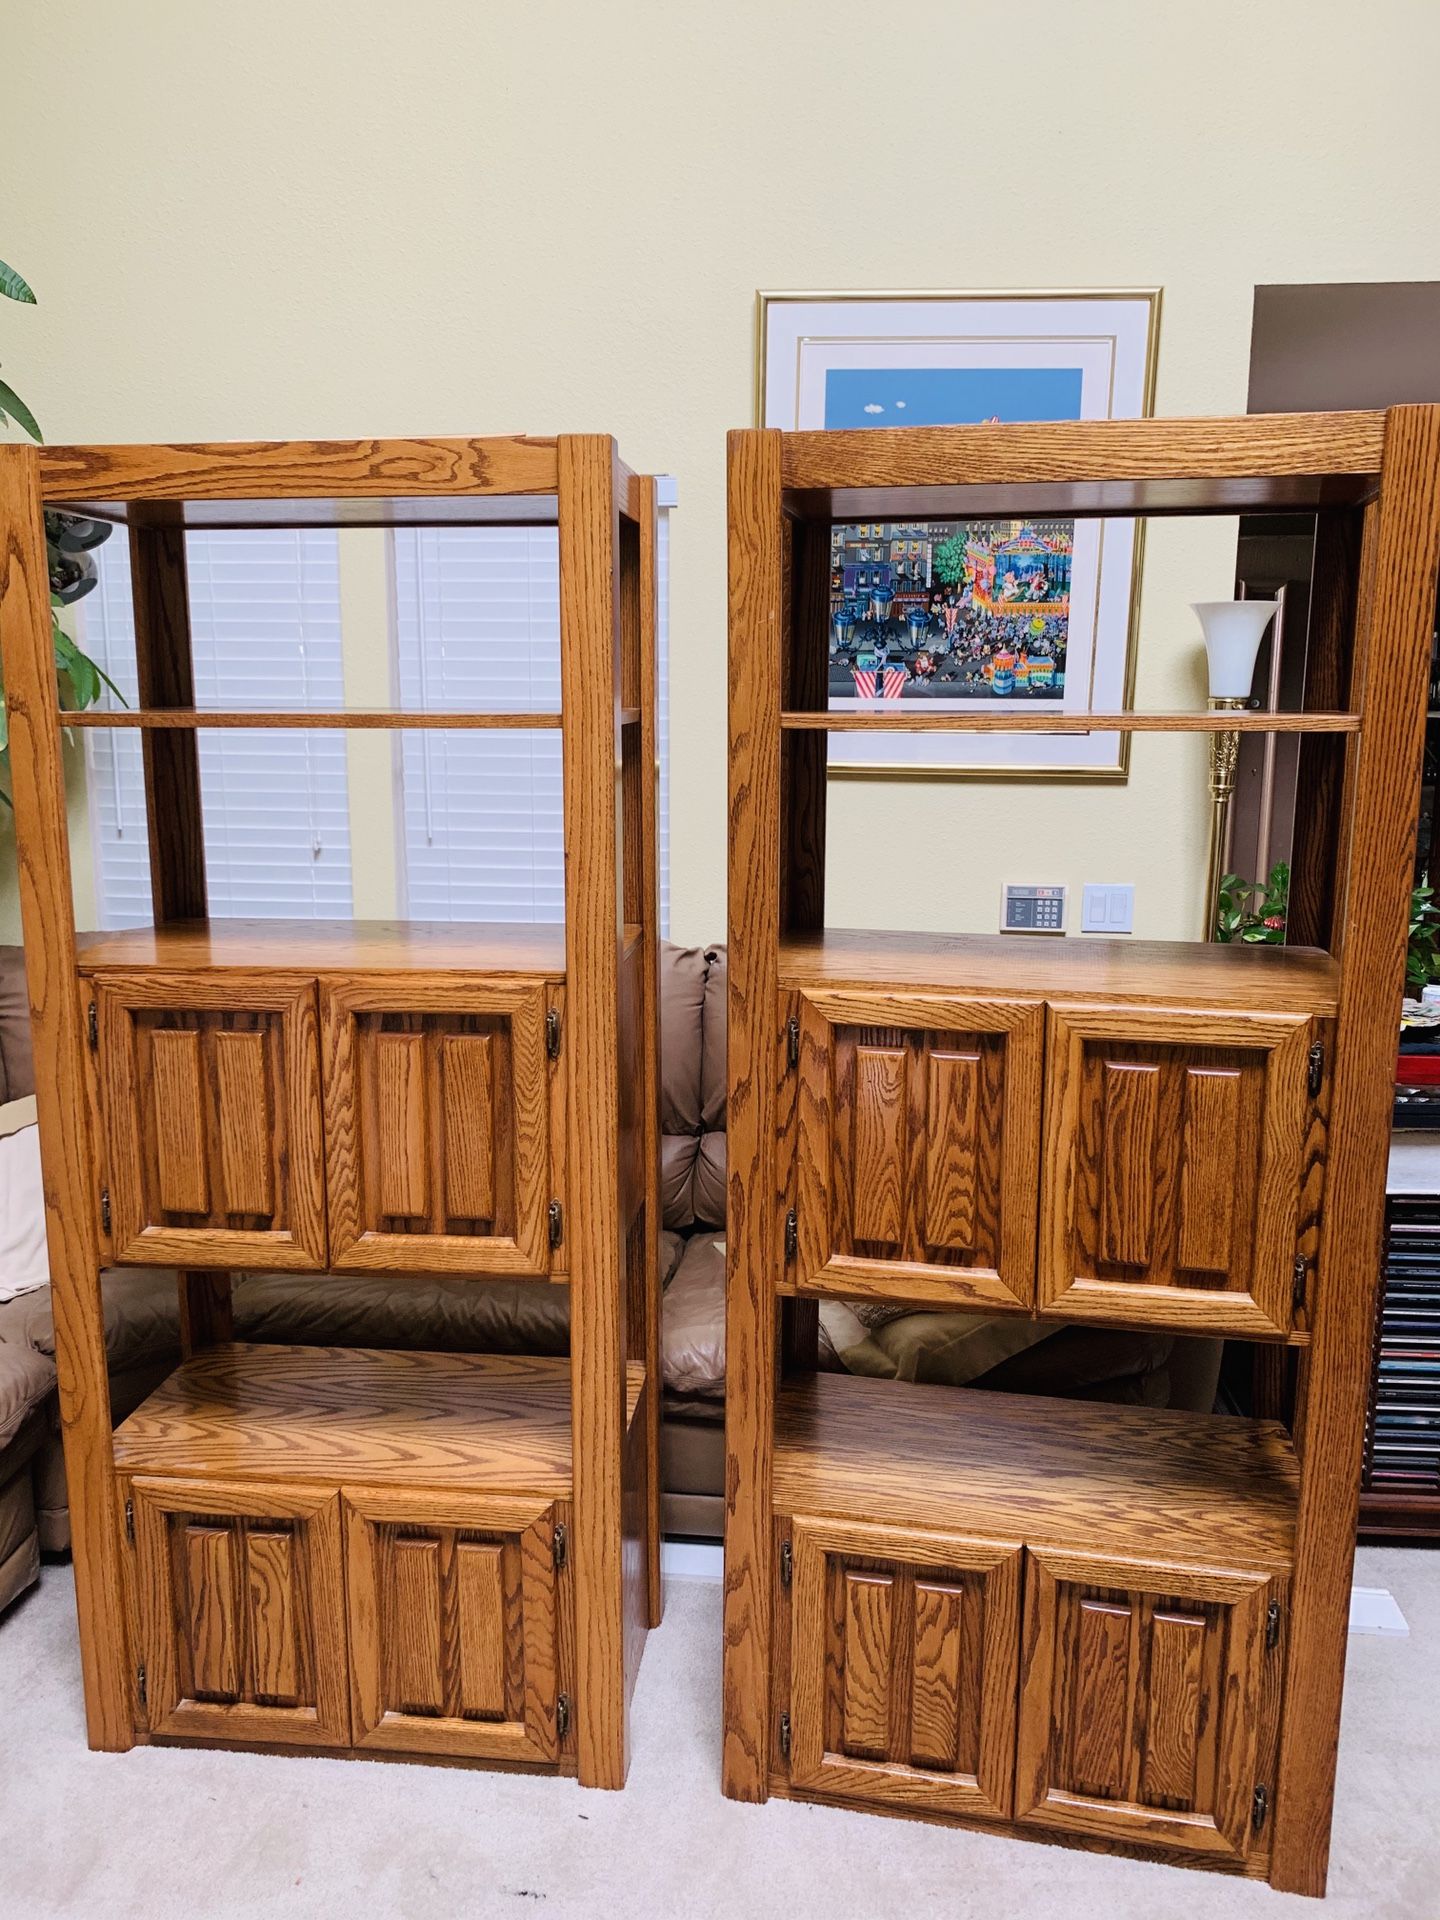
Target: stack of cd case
(1402, 1442)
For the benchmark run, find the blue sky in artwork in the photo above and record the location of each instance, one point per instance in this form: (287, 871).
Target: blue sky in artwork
(948, 396)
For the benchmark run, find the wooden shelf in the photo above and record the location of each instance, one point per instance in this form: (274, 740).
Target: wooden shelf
(191, 719)
(1067, 1474)
(338, 946)
(1084, 468)
(294, 1414)
(900, 718)
(1075, 968)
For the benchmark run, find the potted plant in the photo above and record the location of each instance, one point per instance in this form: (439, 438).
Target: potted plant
(1254, 912)
(69, 540)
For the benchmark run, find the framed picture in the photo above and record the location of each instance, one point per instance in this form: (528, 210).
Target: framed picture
(1037, 612)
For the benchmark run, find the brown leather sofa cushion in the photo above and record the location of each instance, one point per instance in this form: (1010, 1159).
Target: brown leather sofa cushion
(17, 1061)
(692, 1086)
(372, 1310)
(142, 1317)
(27, 1379)
(693, 1320)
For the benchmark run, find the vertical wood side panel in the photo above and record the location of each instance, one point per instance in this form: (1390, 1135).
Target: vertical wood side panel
(1099, 1743)
(952, 1148)
(935, 1695)
(590, 683)
(177, 1099)
(37, 785)
(247, 1173)
(867, 1641)
(401, 1159)
(1128, 1112)
(165, 676)
(755, 619)
(480, 1596)
(411, 1611)
(273, 1620)
(1210, 1140)
(467, 1078)
(1170, 1753)
(877, 1158)
(212, 1625)
(1389, 685)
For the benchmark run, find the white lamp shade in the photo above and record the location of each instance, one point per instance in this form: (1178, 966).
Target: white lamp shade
(1233, 630)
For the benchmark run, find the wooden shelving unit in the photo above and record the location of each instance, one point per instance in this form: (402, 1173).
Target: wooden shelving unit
(394, 1553)
(1122, 1628)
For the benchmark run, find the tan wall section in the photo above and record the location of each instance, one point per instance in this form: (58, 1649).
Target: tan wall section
(301, 217)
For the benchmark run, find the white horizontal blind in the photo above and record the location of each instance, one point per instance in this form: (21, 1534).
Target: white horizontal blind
(477, 627)
(265, 630)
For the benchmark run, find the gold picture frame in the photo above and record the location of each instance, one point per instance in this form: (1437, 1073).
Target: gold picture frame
(1134, 384)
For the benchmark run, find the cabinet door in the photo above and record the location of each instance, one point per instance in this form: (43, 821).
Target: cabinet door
(240, 1603)
(904, 1650)
(1174, 1153)
(211, 1090)
(1141, 1702)
(917, 1147)
(453, 1624)
(436, 1105)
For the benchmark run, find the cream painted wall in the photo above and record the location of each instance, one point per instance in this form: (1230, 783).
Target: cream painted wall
(317, 217)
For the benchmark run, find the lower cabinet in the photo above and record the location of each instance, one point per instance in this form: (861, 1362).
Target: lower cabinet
(240, 1609)
(904, 1651)
(1148, 1696)
(395, 1619)
(1142, 1700)
(453, 1643)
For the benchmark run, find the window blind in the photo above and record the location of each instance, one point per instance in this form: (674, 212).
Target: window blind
(477, 625)
(265, 631)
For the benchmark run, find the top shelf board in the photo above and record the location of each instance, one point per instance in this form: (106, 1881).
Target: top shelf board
(316, 483)
(1246, 464)
(1079, 968)
(330, 946)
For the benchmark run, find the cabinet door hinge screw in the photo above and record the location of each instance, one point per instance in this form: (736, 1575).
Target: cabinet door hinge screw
(792, 1235)
(1259, 1807)
(562, 1715)
(785, 1735)
(556, 1217)
(560, 1546)
(787, 1563)
(552, 1034)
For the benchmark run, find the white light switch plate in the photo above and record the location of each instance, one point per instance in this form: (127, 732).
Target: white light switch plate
(1107, 908)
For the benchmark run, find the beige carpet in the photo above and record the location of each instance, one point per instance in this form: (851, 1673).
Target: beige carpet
(178, 1835)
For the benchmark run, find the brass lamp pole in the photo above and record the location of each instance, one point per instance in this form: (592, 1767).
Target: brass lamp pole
(1224, 753)
(1233, 630)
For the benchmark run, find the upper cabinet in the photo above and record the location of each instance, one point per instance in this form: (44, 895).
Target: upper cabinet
(439, 1107)
(211, 1085)
(916, 1145)
(1175, 1156)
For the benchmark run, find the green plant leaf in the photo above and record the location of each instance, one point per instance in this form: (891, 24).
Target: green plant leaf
(12, 404)
(14, 288)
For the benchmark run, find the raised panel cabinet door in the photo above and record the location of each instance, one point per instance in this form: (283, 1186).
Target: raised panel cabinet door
(239, 1597)
(210, 1084)
(452, 1616)
(438, 1136)
(904, 1650)
(1177, 1150)
(1144, 1697)
(916, 1145)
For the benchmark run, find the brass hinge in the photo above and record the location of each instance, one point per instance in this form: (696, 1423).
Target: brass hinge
(141, 1686)
(552, 1033)
(785, 1735)
(787, 1563)
(105, 1208)
(792, 1040)
(562, 1715)
(1317, 1068)
(555, 1214)
(1259, 1807)
(92, 1025)
(1272, 1624)
(130, 1522)
(1299, 1274)
(560, 1545)
(792, 1235)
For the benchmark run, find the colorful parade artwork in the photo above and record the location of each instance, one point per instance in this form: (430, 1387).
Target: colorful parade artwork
(950, 610)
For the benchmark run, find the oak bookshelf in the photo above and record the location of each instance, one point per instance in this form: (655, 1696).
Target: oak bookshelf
(395, 1553)
(1110, 1626)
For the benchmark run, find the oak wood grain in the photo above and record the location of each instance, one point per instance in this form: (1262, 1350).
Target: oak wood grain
(1390, 673)
(330, 946)
(756, 614)
(184, 720)
(42, 853)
